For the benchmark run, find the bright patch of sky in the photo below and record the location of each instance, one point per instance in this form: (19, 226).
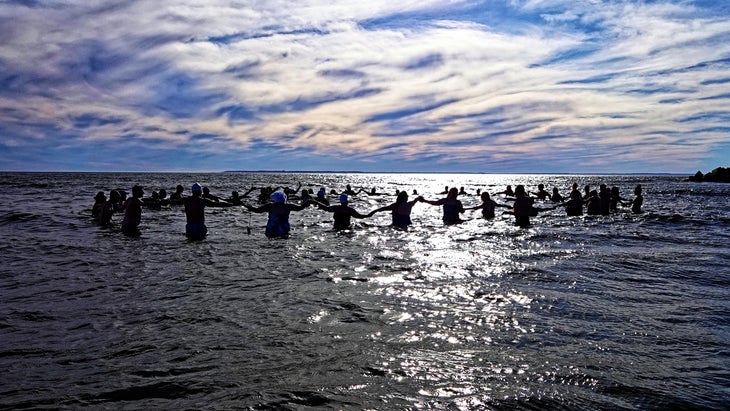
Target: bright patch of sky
(537, 86)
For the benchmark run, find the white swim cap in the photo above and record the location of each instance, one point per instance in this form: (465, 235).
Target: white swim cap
(278, 197)
(196, 187)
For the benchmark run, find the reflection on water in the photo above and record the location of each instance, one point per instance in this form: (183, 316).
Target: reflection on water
(578, 313)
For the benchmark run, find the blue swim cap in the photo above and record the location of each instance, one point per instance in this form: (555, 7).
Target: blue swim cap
(278, 197)
(196, 187)
(343, 198)
(321, 192)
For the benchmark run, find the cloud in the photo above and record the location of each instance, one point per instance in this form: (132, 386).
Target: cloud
(585, 85)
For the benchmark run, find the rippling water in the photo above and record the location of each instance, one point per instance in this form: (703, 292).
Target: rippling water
(619, 312)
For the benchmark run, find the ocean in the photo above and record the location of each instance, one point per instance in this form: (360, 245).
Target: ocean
(619, 312)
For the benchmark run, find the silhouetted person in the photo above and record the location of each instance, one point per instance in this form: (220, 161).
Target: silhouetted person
(616, 199)
(322, 197)
(177, 196)
(99, 201)
(604, 196)
(195, 228)
(556, 197)
(524, 207)
(278, 222)
(133, 212)
(342, 213)
(401, 210)
(593, 203)
(109, 208)
(487, 206)
(541, 193)
(638, 201)
(452, 207)
(574, 205)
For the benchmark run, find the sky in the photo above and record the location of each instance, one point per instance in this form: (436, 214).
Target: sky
(503, 86)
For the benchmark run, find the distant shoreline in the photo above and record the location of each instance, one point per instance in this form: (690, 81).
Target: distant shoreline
(348, 172)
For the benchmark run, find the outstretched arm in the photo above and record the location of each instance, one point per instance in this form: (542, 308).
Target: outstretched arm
(377, 210)
(432, 202)
(322, 206)
(218, 203)
(264, 208)
(300, 207)
(355, 214)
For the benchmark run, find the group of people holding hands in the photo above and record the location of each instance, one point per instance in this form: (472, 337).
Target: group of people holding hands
(275, 202)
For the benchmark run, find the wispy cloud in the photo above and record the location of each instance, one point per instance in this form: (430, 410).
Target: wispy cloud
(471, 85)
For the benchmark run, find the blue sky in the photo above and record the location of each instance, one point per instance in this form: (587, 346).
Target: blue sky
(513, 86)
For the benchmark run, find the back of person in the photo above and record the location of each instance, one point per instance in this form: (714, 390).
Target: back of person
(278, 223)
(342, 217)
(452, 209)
(574, 206)
(488, 209)
(194, 210)
(402, 214)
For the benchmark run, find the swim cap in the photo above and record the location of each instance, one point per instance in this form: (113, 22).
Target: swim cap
(343, 198)
(321, 192)
(196, 187)
(278, 197)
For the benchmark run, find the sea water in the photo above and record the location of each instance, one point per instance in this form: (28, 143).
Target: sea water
(627, 311)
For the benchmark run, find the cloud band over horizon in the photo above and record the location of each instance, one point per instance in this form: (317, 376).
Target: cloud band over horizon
(477, 86)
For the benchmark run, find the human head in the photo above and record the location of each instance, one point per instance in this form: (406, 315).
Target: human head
(163, 193)
(206, 190)
(520, 190)
(137, 191)
(402, 197)
(453, 193)
(637, 190)
(343, 198)
(179, 188)
(321, 192)
(278, 197)
(541, 187)
(100, 197)
(196, 188)
(114, 196)
(485, 196)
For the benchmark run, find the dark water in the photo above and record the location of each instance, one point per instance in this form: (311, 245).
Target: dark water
(620, 312)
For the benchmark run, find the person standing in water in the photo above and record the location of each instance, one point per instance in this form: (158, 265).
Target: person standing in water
(401, 210)
(342, 213)
(487, 206)
(99, 201)
(109, 207)
(195, 228)
(638, 201)
(452, 207)
(278, 224)
(523, 207)
(133, 212)
(574, 206)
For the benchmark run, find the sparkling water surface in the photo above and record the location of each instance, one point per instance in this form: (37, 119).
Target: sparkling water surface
(619, 312)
